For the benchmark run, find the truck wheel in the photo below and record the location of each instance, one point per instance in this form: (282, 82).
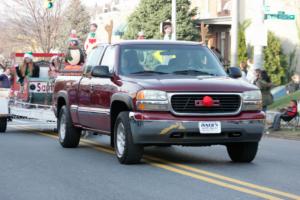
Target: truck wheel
(69, 136)
(242, 152)
(126, 151)
(3, 124)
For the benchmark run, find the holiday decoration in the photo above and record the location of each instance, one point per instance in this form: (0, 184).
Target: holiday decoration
(75, 55)
(91, 40)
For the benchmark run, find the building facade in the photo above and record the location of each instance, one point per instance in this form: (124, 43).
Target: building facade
(281, 17)
(115, 10)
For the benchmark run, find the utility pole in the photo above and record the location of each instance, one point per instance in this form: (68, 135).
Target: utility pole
(258, 21)
(234, 32)
(173, 19)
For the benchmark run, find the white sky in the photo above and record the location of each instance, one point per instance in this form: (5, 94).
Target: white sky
(86, 2)
(93, 2)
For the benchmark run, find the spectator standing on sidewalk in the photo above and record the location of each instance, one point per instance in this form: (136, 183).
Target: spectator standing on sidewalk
(244, 70)
(263, 82)
(2, 64)
(251, 75)
(5, 79)
(141, 35)
(167, 32)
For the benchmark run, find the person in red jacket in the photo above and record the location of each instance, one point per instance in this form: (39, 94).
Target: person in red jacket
(286, 114)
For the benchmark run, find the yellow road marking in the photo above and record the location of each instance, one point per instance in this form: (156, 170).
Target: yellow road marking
(214, 181)
(168, 165)
(225, 178)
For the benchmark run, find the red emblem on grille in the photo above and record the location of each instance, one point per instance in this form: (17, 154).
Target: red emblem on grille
(207, 101)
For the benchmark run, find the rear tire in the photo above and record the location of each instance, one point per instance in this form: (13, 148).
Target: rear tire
(69, 135)
(3, 124)
(127, 152)
(242, 152)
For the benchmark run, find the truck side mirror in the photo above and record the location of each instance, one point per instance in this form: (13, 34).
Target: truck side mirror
(101, 72)
(234, 72)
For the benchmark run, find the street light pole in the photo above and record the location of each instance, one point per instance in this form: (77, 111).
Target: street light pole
(258, 57)
(173, 19)
(234, 32)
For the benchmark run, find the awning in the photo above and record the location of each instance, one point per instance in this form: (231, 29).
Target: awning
(216, 20)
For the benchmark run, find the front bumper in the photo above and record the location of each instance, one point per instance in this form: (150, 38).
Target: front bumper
(185, 131)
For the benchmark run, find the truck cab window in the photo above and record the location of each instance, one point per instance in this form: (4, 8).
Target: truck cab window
(109, 58)
(93, 59)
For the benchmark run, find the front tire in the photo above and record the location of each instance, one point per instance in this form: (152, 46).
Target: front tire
(3, 124)
(242, 152)
(127, 152)
(69, 135)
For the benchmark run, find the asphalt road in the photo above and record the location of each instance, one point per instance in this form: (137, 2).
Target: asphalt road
(34, 166)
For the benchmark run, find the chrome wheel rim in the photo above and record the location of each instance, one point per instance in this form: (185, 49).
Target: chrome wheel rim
(62, 128)
(120, 140)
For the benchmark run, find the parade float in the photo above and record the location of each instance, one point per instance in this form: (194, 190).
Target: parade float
(30, 97)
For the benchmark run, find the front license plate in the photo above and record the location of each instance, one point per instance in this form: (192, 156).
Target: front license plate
(210, 127)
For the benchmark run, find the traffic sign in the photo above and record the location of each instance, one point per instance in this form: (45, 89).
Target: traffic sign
(280, 15)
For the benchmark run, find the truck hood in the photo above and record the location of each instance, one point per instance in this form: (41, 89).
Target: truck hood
(171, 83)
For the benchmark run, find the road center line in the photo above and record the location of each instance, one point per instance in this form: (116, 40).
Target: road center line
(225, 178)
(192, 172)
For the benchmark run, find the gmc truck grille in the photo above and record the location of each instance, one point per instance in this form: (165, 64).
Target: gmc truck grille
(188, 104)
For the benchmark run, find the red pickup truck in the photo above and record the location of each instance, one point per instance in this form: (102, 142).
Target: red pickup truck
(162, 93)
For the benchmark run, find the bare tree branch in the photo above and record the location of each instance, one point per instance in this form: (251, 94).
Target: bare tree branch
(33, 25)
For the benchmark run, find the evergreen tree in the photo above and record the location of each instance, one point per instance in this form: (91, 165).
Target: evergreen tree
(150, 13)
(274, 60)
(76, 18)
(242, 46)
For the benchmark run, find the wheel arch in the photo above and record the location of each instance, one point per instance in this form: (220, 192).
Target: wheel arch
(62, 100)
(119, 103)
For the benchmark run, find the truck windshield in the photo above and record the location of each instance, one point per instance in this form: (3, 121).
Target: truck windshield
(161, 59)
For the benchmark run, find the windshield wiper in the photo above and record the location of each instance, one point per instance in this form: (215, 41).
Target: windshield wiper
(149, 72)
(193, 72)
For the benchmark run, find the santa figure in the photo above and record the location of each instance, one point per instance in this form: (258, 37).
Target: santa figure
(74, 55)
(91, 40)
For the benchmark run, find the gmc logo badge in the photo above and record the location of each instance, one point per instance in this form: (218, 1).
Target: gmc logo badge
(199, 103)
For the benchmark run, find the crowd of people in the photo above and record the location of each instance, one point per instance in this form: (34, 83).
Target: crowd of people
(261, 79)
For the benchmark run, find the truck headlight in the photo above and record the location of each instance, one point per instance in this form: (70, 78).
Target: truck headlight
(252, 100)
(152, 100)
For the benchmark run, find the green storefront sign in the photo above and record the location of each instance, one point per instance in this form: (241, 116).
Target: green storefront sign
(281, 15)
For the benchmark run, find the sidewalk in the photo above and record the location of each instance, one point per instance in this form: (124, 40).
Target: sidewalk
(285, 133)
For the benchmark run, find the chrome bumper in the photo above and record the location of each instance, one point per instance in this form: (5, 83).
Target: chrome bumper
(160, 132)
